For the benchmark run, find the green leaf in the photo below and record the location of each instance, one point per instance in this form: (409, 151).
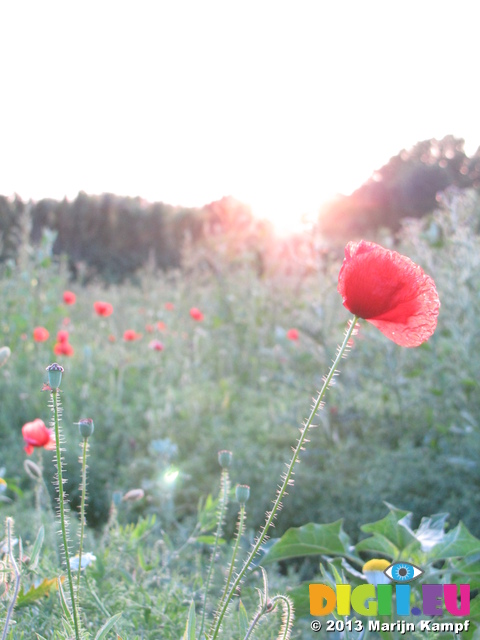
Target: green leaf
(35, 593)
(378, 545)
(190, 628)
(311, 539)
(456, 543)
(209, 540)
(301, 599)
(37, 547)
(63, 602)
(242, 620)
(102, 633)
(395, 528)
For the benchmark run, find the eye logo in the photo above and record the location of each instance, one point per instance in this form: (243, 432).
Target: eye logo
(402, 572)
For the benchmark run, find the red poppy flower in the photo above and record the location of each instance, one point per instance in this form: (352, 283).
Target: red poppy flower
(389, 291)
(111, 338)
(63, 349)
(69, 297)
(161, 326)
(40, 334)
(169, 306)
(103, 308)
(130, 335)
(62, 336)
(156, 345)
(36, 434)
(196, 314)
(292, 334)
(149, 328)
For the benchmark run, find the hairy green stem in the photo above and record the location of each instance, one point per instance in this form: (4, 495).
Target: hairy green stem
(223, 506)
(61, 504)
(82, 510)
(287, 478)
(11, 556)
(241, 523)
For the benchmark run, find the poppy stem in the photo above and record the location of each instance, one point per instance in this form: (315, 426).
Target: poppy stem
(61, 504)
(287, 480)
(82, 509)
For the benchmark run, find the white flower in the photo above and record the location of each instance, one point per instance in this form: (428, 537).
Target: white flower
(87, 558)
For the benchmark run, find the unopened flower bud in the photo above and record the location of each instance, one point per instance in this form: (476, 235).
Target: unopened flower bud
(32, 469)
(225, 458)
(133, 495)
(55, 371)
(242, 493)
(86, 427)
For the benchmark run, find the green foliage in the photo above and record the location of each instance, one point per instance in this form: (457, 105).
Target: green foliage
(400, 426)
(444, 556)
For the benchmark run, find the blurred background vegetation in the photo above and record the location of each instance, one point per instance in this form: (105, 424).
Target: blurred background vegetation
(400, 425)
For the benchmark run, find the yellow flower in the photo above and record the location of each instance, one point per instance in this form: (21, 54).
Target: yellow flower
(376, 564)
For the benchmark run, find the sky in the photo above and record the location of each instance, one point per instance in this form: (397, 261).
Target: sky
(281, 105)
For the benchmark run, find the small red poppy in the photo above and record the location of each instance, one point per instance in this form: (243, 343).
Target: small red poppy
(40, 334)
(390, 291)
(292, 334)
(156, 345)
(149, 328)
(161, 326)
(69, 297)
(169, 306)
(63, 349)
(62, 336)
(103, 308)
(196, 314)
(36, 434)
(130, 335)
(111, 338)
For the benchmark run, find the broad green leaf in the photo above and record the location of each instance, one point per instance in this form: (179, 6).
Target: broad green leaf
(190, 628)
(311, 539)
(102, 633)
(301, 599)
(456, 543)
(378, 544)
(395, 528)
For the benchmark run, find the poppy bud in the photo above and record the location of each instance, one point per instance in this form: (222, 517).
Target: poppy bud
(225, 459)
(55, 375)
(242, 493)
(86, 427)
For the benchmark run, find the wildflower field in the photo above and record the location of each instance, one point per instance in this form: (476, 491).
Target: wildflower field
(161, 374)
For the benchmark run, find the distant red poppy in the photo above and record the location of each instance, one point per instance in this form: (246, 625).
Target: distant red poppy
(36, 434)
(111, 338)
(390, 291)
(161, 326)
(196, 314)
(40, 334)
(63, 349)
(169, 306)
(103, 308)
(292, 334)
(156, 345)
(130, 335)
(62, 336)
(149, 328)
(66, 321)
(69, 297)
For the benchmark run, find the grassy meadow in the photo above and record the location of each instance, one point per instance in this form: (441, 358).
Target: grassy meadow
(399, 433)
